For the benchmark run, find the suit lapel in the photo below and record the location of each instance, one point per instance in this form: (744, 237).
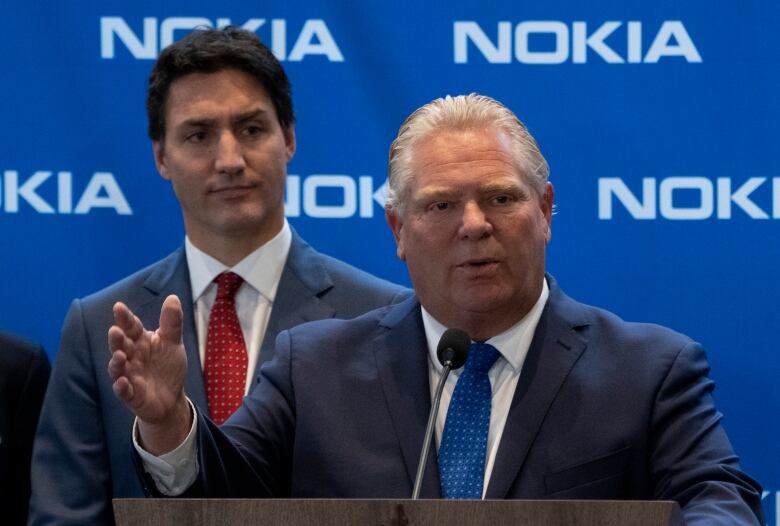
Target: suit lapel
(556, 347)
(172, 276)
(298, 299)
(402, 362)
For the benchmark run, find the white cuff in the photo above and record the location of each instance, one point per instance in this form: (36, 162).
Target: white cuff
(176, 470)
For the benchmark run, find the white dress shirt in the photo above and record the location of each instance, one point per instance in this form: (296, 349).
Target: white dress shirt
(261, 271)
(513, 344)
(175, 471)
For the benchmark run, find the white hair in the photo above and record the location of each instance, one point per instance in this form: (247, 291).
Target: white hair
(461, 112)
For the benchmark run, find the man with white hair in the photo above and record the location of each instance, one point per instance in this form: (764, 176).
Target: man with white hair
(556, 400)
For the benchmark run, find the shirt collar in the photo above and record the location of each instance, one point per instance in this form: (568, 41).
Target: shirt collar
(261, 269)
(513, 343)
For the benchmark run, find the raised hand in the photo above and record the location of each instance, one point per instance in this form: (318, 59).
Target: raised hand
(148, 369)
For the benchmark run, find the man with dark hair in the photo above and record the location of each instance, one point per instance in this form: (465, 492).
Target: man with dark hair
(24, 372)
(222, 128)
(557, 399)
(212, 51)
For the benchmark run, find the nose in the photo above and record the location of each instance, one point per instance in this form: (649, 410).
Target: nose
(229, 154)
(474, 224)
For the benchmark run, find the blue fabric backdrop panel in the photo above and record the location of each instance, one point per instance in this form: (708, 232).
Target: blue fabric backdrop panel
(659, 121)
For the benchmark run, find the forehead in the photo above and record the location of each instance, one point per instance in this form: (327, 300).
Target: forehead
(480, 157)
(211, 95)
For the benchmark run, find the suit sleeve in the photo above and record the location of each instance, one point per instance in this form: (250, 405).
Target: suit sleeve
(692, 460)
(250, 456)
(27, 377)
(70, 470)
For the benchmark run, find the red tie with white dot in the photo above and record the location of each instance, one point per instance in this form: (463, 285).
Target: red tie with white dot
(224, 370)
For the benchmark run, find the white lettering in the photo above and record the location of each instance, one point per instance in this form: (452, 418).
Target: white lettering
(740, 198)
(661, 46)
(114, 198)
(366, 183)
(324, 45)
(380, 196)
(111, 26)
(170, 25)
(26, 191)
(64, 192)
(314, 38)
(671, 40)
(609, 186)
(343, 182)
(581, 42)
(495, 54)
(292, 196)
(634, 42)
(279, 38)
(91, 198)
(713, 199)
(776, 214)
(670, 211)
(357, 196)
(557, 56)
(252, 24)
(764, 495)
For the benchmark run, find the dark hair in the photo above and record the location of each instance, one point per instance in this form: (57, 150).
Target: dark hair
(209, 51)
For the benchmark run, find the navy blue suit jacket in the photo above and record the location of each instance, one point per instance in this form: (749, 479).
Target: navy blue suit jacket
(81, 458)
(604, 409)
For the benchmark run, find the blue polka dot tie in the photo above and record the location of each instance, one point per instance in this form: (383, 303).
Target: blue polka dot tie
(464, 441)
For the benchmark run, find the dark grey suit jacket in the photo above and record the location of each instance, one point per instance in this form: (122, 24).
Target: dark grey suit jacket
(81, 459)
(24, 371)
(604, 409)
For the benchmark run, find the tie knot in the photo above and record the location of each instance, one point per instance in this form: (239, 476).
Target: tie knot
(227, 285)
(481, 358)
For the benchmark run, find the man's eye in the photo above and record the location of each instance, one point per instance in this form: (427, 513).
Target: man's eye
(196, 137)
(440, 206)
(252, 131)
(502, 199)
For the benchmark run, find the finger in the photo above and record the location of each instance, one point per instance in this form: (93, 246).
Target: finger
(171, 320)
(127, 321)
(116, 365)
(123, 389)
(118, 341)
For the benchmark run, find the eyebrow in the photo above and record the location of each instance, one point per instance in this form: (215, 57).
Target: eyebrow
(487, 188)
(208, 122)
(507, 187)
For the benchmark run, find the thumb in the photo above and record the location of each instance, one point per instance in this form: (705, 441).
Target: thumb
(171, 320)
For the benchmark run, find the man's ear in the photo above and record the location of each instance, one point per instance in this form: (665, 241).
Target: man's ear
(396, 225)
(547, 209)
(159, 159)
(289, 141)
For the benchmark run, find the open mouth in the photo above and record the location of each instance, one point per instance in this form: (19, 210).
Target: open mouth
(478, 263)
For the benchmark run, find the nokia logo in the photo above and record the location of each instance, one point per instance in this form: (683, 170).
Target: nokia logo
(769, 505)
(313, 39)
(555, 42)
(690, 198)
(102, 191)
(332, 196)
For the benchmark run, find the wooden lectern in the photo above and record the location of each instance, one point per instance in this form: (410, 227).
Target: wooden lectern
(389, 512)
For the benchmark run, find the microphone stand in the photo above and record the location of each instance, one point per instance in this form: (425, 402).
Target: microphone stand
(429, 430)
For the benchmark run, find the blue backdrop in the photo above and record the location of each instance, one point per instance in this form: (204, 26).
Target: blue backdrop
(658, 120)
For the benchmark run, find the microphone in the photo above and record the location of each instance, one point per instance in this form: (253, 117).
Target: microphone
(452, 351)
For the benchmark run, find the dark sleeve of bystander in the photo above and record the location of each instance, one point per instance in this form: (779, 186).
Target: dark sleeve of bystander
(24, 373)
